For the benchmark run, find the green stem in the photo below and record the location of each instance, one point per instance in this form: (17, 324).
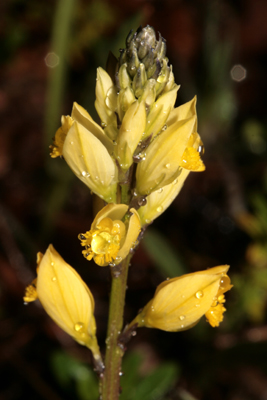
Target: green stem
(110, 385)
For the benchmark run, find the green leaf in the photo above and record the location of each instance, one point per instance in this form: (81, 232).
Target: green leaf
(161, 252)
(157, 384)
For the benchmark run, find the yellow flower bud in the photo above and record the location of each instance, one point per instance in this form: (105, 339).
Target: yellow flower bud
(163, 157)
(110, 240)
(65, 297)
(91, 162)
(131, 131)
(179, 303)
(159, 112)
(106, 102)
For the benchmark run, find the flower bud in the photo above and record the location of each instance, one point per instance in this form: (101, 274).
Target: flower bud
(110, 239)
(91, 162)
(66, 298)
(179, 303)
(131, 131)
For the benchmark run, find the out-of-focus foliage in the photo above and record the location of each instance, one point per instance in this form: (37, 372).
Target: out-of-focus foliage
(218, 51)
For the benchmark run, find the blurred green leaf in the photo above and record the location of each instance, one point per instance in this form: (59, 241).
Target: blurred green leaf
(157, 384)
(67, 370)
(165, 258)
(130, 367)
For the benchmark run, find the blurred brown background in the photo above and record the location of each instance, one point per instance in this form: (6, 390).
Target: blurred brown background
(49, 54)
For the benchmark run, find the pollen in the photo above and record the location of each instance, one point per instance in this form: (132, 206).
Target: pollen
(191, 160)
(60, 136)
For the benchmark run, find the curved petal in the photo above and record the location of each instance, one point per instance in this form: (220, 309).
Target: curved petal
(80, 115)
(131, 236)
(112, 211)
(163, 157)
(90, 161)
(65, 297)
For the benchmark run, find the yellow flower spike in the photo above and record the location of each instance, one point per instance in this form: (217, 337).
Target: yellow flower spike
(60, 136)
(131, 131)
(106, 102)
(163, 157)
(90, 161)
(158, 201)
(66, 299)
(179, 303)
(109, 241)
(159, 112)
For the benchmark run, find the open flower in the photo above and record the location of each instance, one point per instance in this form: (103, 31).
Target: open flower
(66, 298)
(87, 151)
(179, 303)
(110, 239)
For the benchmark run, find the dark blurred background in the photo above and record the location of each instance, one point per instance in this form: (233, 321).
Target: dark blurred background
(49, 54)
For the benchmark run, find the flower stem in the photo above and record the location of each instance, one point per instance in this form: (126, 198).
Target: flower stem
(110, 384)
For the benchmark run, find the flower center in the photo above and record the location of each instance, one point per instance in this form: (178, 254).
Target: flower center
(105, 242)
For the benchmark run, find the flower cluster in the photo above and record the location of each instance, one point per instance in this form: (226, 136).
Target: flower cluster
(136, 160)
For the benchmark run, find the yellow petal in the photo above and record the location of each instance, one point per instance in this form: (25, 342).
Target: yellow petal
(90, 161)
(159, 112)
(184, 111)
(80, 115)
(104, 86)
(163, 157)
(58, 142)
(67, 299)
(158, 201)
(112, 211)
(131, 236)
(131, 131)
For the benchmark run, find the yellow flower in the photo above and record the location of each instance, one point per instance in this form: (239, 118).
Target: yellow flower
(158, 201)
(110, 240)
(179, 303)
(87, 151)
(65, 297)
(172, 150)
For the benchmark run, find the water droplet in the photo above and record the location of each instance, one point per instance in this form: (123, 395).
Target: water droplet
(54, 279)
(168, 165)
(71, 142)
(199, 294)
(121, 373)
(52, 263)
(78, 326)
(84, 173)
(160, 209)
(167, 279)
(25, 303)
(134, 332)
(224, 282)
(160, 190)
(182, 326)
(164, 128)
(182, 317)
(175, 181)
(197, 305)
(152, 309)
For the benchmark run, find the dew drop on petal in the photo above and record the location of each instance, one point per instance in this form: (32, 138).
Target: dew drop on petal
(54, 279)
(52, 263)
(160, 209)
(78, 326)
(160, 190)
(182, 326)
(84, 173)
(182, 317)
(199, 294)
(168, 165)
